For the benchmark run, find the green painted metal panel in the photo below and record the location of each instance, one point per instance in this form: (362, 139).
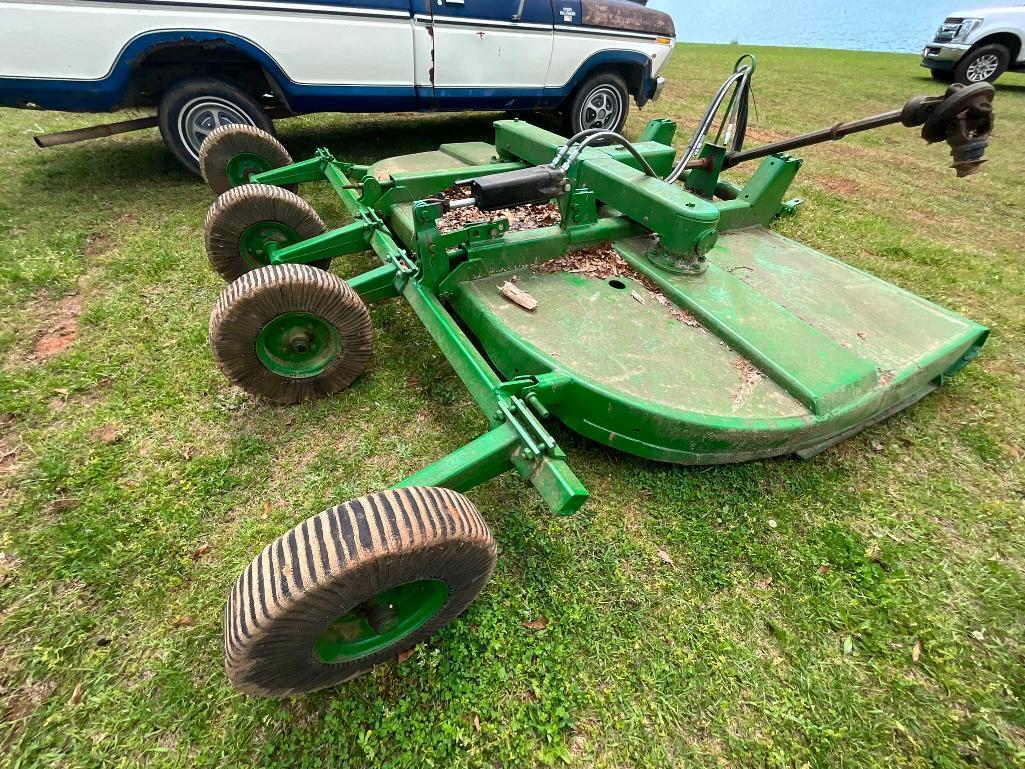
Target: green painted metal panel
(516, 139)
(816, 370)
(646, 383)
(470, 153)
(870, 317)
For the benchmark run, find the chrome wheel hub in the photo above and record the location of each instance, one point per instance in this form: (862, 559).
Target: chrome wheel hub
(982, 68)
(202, 115)
(602, 108)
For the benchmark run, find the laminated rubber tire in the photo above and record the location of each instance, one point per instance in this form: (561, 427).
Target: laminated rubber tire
(353, 587)
(242, 221)
(231, 154)
(290, 332)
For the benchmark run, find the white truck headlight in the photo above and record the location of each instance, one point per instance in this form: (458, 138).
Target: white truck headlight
(966, 28)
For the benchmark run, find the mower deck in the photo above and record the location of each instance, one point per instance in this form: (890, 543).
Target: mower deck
(641, 300)
(787, 349)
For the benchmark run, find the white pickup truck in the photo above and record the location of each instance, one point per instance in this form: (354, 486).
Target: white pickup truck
(205, 63)
(978, 45)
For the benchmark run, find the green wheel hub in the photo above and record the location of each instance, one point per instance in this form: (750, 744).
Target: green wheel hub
(381, 621)
(244, 165)
(298, 345)
(254, 241)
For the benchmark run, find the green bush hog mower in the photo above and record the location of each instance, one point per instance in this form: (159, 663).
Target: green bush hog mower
(636, 297)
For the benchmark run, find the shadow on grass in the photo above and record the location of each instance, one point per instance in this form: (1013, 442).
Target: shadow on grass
(1002, 85)
(373, 137)
(138, 165)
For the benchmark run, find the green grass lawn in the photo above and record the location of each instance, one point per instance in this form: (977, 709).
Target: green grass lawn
(864, 608)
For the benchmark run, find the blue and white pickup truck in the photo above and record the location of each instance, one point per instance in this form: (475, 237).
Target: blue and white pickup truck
(205, 63)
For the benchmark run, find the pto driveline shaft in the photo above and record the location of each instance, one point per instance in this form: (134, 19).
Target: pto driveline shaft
(838, 131)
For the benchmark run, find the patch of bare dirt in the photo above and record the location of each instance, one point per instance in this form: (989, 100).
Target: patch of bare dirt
(107, 435)
(96, 244)
(101, 242)
(24, 701)
(843, 188)
(60, 330)
(64, 397)
(10, 449)
(763, 135)
(9, 564)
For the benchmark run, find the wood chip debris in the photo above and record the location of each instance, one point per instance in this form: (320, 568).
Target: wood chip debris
(529, 217)
(604, 262)
(518, 296)
(601, 262)
(749, 377)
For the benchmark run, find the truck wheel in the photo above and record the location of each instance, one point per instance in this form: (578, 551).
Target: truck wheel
(353, 587)
(601, 101)
(191, 109)
(982, 65)
(244, 220)
(290, 332)
(231, 154)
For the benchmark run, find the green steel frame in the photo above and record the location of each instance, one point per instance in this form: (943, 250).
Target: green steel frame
(397, 218)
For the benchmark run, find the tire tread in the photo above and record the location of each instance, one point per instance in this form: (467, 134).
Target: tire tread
(256, 297)
(236, 210)
(261, 626)
(226, 141)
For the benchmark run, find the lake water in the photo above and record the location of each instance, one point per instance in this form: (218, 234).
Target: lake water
(868, 25)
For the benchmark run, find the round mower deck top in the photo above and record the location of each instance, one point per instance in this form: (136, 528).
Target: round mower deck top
(776, 349)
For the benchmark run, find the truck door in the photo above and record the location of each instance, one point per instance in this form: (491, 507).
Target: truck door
(491, 54)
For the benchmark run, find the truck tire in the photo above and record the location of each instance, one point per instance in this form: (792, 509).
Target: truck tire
(601, 101)
(190, 109)
(982, 65)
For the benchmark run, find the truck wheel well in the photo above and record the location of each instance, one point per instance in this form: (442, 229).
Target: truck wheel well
(163, 65)
(632, 74)
(1008, 40)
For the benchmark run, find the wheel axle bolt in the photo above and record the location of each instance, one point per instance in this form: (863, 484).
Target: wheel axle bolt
(299, 342)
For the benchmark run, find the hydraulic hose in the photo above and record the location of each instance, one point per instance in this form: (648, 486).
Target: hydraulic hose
(732, 129)
(734, 121)
(595, 135)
